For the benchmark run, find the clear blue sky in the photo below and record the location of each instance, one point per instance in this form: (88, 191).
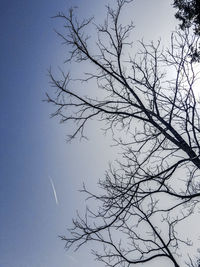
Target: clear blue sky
(33, 147)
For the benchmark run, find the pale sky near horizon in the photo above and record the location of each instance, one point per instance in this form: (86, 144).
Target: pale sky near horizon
(40, 174)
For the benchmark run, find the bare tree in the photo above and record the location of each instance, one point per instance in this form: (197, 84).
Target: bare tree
(147, 101)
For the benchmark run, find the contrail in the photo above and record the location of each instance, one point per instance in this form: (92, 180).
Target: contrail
(54, 190)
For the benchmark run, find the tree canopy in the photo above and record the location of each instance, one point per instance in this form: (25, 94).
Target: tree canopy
(188, 13)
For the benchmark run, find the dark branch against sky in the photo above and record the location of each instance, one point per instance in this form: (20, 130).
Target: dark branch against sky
(33, 147)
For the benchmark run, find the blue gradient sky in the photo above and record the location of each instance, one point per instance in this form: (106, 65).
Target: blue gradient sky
(33, 147)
